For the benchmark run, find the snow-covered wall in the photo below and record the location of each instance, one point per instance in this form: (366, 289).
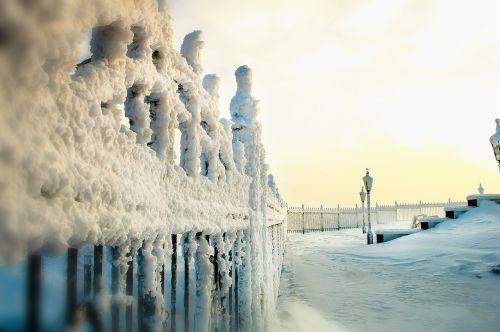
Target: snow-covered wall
(88, 155)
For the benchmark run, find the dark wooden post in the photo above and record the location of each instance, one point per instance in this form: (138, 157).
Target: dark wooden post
(186, 285)
(71, 285)
(130, 292)
(174, 281)
(98, 254)
(33, 295)
(115, 281)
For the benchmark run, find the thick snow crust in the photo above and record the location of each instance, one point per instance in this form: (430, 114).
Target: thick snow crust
(88, 155)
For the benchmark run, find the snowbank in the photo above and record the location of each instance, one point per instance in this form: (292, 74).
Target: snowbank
(435, 280)
(469, 245)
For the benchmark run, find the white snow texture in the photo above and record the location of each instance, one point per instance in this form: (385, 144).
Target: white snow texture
(87, 156)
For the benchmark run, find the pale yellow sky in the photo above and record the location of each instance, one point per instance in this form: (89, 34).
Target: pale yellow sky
(409, 88)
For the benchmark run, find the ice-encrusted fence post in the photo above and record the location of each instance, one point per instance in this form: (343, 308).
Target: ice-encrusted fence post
(115, 275)
(247, 130)
(190, 138)
(173, 279)
(129, 290)
(150, 306)
(204, 274)
(186, 252)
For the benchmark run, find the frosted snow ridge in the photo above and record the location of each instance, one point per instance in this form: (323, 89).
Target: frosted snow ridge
(88, 156)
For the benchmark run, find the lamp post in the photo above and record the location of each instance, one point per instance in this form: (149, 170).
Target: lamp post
(362, 195)
(368, 182)
(495, 142)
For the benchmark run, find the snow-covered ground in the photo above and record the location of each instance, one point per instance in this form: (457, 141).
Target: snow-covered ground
(437, 280)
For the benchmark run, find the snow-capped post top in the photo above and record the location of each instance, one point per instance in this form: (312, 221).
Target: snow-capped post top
(191, 50)
(244, 107)
(480, 189)
(211, 84)
(244, 80)
(495, 142)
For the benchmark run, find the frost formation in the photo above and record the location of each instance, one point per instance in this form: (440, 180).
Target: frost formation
(88, 156)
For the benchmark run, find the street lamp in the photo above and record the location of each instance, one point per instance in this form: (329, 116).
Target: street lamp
(495, 143)
(368, 181)
(362, 195)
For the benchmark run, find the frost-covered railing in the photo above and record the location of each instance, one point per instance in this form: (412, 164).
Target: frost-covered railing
(312, 219)
(90, 175)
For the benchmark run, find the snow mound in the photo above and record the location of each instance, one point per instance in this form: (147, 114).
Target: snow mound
(468, 245)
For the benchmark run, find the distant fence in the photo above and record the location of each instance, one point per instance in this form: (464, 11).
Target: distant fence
(312, 219)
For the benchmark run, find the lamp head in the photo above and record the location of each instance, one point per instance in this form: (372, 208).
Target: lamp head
(368, 181)
(362, 195)
(495, 142)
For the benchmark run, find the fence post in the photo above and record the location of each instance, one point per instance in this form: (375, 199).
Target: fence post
(129, 289)
(33, 295)
(321, 217)
(420, 206)
(71, 285)
(396, 209)
(97, 282)
(186, 284)
(303, 221)
(338, 217)
(230, 306)
(87, 275)
(377, 210)
(173, 279)
(115, 282)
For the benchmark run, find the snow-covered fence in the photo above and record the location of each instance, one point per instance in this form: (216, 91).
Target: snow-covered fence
(311, 219)
(90, 177)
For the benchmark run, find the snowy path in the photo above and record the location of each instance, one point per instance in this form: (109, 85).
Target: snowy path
(334, 282)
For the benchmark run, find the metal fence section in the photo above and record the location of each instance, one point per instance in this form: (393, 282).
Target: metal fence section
(312, 219)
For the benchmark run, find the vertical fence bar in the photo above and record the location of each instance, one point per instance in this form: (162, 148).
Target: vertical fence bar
(231, 312)
(71, 285)
(146, 303)
(140, 291)
(236, 288)
(321, 218)
(186, 285)
(338, 217)
(173, 279)
(303, 226)
(33, 295)
(115, 282)
(130, 292)
(97, 282)
(87, 275)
